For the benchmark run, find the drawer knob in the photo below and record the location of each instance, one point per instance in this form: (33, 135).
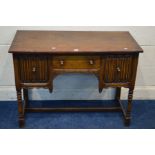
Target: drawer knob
(91, 62)
(61, 62)
(118, 69)
(34, 69)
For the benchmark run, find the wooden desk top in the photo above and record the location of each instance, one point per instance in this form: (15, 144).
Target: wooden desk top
(73, 41)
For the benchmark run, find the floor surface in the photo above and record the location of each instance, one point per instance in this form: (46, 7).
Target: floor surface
(143, 116)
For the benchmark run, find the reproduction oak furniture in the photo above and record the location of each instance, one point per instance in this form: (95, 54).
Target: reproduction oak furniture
(39, 56)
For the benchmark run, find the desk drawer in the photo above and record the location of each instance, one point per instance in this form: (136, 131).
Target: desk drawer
(118, 68)
(33, 68)
(76, 62)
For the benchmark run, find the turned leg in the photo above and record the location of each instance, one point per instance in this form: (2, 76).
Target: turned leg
(118, 94)
(26, 97)
(129, 107)
(20, 109)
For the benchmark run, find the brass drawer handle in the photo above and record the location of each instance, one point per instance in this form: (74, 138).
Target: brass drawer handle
(34, 69)
(61, 62)
(91, 62)
(118, 69)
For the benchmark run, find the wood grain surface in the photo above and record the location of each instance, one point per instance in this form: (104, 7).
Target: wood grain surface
(73, 42)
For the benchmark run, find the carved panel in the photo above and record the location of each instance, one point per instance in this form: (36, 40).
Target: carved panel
(117, 68)
(33, 68)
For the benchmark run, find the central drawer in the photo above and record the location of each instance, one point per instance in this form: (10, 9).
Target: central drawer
(76, 62)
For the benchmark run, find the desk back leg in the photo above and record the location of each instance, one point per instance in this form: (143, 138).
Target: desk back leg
(26, 97)
(118, 94)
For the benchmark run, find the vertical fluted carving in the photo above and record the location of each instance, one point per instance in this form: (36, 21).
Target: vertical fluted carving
(115, 62)
(28, 63)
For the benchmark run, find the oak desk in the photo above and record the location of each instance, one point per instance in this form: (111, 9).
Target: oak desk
(39, 56)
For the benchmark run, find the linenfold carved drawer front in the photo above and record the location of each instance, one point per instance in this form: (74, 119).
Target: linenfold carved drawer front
(118, 68)
(76, 62)
(33, 68)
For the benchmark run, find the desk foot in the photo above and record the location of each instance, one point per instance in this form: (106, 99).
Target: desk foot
(21, 122)
(127, 122)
